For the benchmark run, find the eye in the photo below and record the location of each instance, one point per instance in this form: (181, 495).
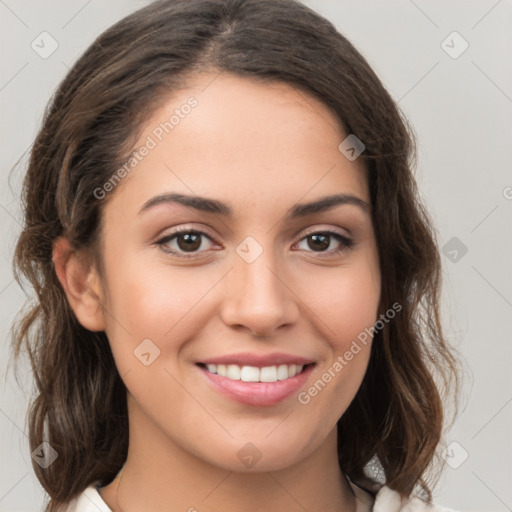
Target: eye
(320, 241)
(183, 241)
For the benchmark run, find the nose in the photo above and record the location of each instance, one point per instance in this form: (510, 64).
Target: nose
(258, 297)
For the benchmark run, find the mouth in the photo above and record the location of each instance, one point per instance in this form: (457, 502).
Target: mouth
(256, 384)
(254, 373)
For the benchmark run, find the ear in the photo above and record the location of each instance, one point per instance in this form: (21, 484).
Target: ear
(81, 284)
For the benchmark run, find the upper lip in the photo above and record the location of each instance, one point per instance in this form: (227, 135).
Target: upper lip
(258, 360)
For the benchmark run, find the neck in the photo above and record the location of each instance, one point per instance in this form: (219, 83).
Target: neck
(173, 478)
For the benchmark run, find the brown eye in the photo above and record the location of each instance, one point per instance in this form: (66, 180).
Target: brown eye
(188, 241)
(185, 241)
(320, 242)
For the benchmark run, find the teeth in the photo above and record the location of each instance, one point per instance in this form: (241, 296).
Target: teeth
(233, 372)
(268, 374)
(250, 374)
(282, 372)
(255, 374)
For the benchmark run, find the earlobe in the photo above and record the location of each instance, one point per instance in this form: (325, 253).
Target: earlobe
(81, 284)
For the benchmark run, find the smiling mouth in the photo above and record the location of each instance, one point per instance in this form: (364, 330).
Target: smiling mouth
(254, 373)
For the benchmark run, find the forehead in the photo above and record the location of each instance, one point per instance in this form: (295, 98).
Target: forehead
(242, 140)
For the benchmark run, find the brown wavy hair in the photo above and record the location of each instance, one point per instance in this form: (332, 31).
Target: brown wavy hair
(88, 131)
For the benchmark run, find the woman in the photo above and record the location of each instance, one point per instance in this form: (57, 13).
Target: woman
(237, 284)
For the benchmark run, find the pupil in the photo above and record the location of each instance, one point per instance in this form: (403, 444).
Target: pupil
(323, 239)
(193, 241)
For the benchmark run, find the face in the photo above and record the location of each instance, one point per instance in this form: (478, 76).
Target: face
(224, 318)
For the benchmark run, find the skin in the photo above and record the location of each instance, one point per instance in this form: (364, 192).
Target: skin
(260, 148)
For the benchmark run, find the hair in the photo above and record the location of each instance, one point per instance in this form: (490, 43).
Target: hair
(88, 131)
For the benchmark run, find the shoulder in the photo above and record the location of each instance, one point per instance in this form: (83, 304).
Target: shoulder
(88, 501)
(388, 500)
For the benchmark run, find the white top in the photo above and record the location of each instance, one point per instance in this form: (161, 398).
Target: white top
(385, 501)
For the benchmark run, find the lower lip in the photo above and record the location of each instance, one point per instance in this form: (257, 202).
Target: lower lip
(258, 393)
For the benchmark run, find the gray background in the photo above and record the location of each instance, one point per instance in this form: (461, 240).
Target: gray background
(461, 109)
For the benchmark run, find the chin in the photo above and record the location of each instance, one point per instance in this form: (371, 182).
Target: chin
(247, 454)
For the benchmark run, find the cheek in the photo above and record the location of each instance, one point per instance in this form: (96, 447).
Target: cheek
(329, 394)
(345, 300)
(348, 314)
(152, 299)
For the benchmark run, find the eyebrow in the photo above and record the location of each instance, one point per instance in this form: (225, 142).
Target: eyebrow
(208, 205)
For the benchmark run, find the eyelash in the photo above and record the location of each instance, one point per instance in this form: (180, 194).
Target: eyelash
(346, 243)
